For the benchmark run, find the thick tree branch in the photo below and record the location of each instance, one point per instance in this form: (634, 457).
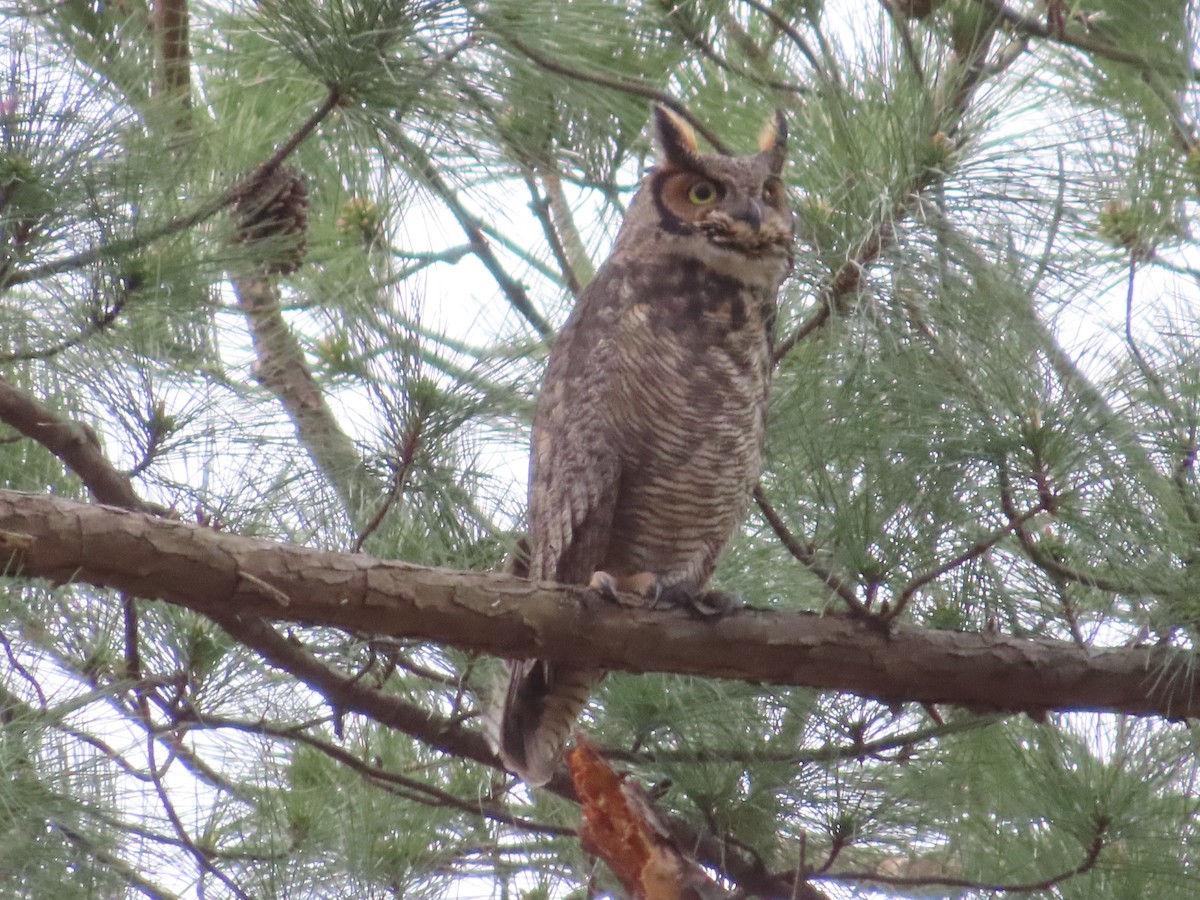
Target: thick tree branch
(173, 78)
(76, 445)
(281, 369)
(221, 574)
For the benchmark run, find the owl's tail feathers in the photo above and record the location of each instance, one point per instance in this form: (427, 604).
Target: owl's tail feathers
(539, 708)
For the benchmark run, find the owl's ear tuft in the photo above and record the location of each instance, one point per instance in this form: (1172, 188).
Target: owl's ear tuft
(675, 137)
(772, 141)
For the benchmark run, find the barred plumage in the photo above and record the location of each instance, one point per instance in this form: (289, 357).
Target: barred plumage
(648, 435)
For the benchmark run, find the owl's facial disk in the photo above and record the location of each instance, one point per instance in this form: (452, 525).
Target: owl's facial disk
(750, 215)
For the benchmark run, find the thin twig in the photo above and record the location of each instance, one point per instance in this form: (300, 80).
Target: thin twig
(203, 862)
(1043, 560)
(1091, 857)
(635, 88)
(1144, 367)
(1081, 41)
(393, 650)
(836, 294)
(450, 255)
(1185, 468)
(540, 207)
(135, 879)
(860, 750)
(900, 23)
(1053, 227)
(175, 225)
(344, 693)
(143, 695)
(403, 471)
(1069, 610)
(513, 290)
(95, 326)
(796, 38)
(838, 291)
(806, 555)
(742, 39)
(248, 187)
(19, 668)
(133, 655)
(115, 824)
(56, 718)
(411, 789)
(976, 550)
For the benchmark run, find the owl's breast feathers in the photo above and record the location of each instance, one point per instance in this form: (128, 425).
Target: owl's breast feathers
(706, 309)
(685, 410)
(676, 343)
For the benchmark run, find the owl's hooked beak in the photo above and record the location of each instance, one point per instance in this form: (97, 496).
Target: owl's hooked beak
(750, 212)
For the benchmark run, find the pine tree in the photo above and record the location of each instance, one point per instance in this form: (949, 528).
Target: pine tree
(276, 283)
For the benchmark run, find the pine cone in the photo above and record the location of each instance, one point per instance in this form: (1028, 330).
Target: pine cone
(272, 217)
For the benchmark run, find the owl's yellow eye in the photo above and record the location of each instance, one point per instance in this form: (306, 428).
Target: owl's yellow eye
(702, 193)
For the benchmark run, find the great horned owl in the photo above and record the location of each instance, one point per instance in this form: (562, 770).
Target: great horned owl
(648, 435)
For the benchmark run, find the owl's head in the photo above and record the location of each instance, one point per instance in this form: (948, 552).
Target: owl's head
(737, 203)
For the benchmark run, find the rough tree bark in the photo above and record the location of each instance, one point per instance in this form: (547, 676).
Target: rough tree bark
(223, 574)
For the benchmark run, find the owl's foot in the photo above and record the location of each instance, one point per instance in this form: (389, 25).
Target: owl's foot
(609, 586)
(704, 604)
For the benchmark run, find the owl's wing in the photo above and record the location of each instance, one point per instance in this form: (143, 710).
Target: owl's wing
(573, 485)
(575, 466)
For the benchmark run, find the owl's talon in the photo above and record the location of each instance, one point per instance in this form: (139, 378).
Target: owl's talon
(612, 587)
(715, 604)
(704, 604)
(604, 584)
(645, 584)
